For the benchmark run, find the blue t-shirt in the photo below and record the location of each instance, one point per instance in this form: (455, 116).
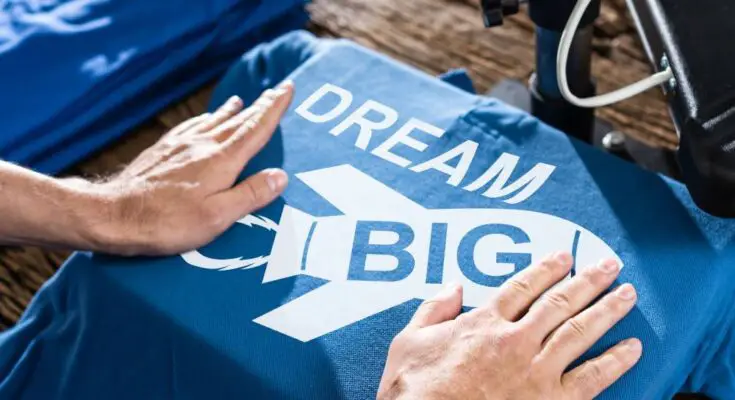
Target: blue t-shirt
(77, 74)
(399, 183)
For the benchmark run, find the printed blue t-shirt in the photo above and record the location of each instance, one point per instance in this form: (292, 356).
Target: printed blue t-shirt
(399, 184)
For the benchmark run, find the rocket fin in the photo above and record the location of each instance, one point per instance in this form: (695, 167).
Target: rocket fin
(333, 306)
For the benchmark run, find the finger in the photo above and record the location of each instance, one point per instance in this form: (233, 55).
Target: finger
(589, 379)
(225, 130)
(445, 306)
(188, 124)
(231, 108)
(249, 195)
(569, 298)
(517, 294)
(252, 135)
(579, 333)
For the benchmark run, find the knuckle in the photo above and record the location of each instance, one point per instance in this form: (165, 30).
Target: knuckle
(169, 142)
(243, 131)
(259, 107)
(401, 342)
(201, 122)
(589, 382)
(264, 102)
(212, 218)
(219, 154)
(172, 145)
(180, 145)
(472, 320)
(595, 277)
(550, 265)
(228, 126)
(606, 307)
(596, 376)
(577, 328)
(213, 120)
(521, 286)
(250, 193)
(509, 338)
(612, 305)
(251, 123)
(225, 130)
(401, 339)
(559, 300)
(430, 305)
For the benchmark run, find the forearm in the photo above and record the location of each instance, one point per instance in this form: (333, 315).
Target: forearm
(174, 197)
(45, 211)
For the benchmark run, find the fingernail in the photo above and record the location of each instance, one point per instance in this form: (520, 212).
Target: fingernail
(626, 292)
(276, 180)
(633, 348)
(234, 100)
(283, 88)
(285, 84)
(564, 258)
(609, 266)
(448, 291)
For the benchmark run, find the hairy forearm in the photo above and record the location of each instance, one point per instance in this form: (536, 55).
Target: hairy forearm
(176, 196)
(45, 211)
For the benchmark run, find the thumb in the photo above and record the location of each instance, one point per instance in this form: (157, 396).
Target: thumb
(444, 306)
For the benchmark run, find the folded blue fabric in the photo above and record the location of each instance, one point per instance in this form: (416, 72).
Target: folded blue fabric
(146, 103)
(400, 183)
(84, 70)
(459, 78)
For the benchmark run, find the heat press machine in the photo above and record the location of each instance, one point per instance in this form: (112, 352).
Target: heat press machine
(687, 45)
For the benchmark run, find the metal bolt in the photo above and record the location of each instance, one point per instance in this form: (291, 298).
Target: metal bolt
(614, 141)
(671, 84)
(664, 63)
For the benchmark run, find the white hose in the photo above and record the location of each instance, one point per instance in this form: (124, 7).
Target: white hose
(606, 99)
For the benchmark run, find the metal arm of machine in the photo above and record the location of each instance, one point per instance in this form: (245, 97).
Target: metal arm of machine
(693, 39)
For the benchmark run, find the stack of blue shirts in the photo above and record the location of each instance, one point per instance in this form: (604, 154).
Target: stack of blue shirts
(77, 74)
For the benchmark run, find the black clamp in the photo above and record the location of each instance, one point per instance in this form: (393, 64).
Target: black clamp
(493, 11)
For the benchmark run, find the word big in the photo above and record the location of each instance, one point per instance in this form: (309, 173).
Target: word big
(386, 249)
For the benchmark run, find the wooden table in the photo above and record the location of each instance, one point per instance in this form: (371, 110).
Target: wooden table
(433, 35)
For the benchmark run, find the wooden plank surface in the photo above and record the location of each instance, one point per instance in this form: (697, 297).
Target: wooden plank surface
(433, 35)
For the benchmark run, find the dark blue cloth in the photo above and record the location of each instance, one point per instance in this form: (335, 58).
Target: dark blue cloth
(302, 299)
(459, 78)
(77, 74)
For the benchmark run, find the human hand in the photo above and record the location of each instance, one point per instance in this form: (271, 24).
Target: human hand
(178, 194)
(517, 346)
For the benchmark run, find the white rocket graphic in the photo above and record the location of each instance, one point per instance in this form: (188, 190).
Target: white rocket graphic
(478, 248)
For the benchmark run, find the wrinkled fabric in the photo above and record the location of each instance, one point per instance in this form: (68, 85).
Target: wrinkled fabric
(77, 74)
(302, 298)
